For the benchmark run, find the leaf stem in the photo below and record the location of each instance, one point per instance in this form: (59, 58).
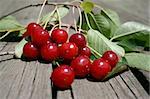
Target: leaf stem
(124, 34)
(40, 13)
(59, 19)
(87, 20)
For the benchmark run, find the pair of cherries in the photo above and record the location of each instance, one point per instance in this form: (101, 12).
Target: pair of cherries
(64, 75)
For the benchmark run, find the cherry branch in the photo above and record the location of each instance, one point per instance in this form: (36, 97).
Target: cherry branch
(36, 5)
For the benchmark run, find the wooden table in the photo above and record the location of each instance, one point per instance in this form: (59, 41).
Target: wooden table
(30, 80)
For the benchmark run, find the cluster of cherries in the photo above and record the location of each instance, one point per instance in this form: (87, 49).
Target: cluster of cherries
(55, 46)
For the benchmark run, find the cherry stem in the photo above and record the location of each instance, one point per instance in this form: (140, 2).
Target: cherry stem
(57, 63)
(75, 24)
(80, 15)
(87, 20)
(7, 53)
(54, 26)
(68, 25)
(95, 52)
(59, 19)
(7, 33)
(51, 16)
(38, 20)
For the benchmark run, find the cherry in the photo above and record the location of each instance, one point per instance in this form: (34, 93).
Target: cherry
(59, 36)
(81, 66)
(63, 76)
(49, 52)
(111, 57)
(30, 51)
(99, 69)
(40, 37)
(68, 50)
(78, 39)
(85, 51)
(31, 27)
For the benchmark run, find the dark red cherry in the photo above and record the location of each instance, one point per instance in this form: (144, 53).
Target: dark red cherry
(111, 57)
(99, 69)
(78, 39)
(31, 27)
(68, 50)
(63, 76)
(81, 66)
(85, 51)
(49, 52)
(30, 51)
(40, 37)
(59, 36)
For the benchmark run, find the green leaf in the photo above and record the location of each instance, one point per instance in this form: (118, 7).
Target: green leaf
(113, 19)
(138, 60)
(101, 44)
(111, 15)
(106, 22)
(9, 24)
(19, 48)
(103, 24)
(130, 45)
(132, 30)
(87, 6)
(63, 11)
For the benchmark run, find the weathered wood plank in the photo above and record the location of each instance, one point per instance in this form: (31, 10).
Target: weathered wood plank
(66, 94)
(42, 83)
(84, 89)
(2, 45)
(121, 89)
(7, 78)
(134, 85)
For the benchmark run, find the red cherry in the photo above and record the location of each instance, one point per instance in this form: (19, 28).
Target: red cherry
(99, 69)
(111, 57)
(81, 66)
(30, 51)
(59, 36)
(68, 50)
(40, 37)
(49, 52)
(63, 76)
(78, 39)
(31, 27)
(85, 51)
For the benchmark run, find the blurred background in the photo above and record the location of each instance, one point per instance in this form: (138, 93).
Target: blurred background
(135, 10)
